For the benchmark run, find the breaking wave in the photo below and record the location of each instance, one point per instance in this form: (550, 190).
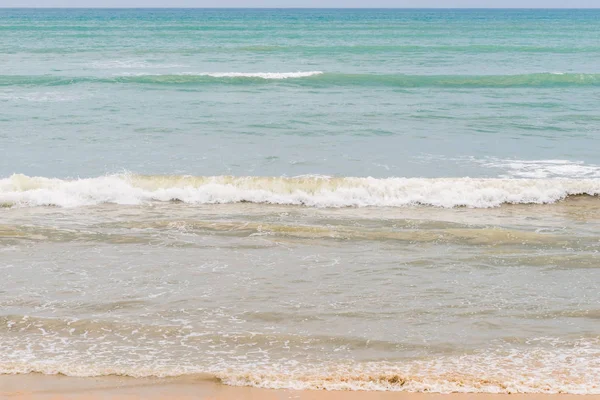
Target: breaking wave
(312, 191)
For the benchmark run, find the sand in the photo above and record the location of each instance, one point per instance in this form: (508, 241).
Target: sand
(35, 386)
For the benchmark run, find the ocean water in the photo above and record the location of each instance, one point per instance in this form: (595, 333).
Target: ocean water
(324, 199)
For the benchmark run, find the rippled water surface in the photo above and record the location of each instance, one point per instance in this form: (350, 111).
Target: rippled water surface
(339, 199)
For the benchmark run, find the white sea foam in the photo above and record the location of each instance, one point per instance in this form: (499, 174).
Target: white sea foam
(542, 168)
(261, 75)
(551, 366)
(574, 370)
(21, 190)
(264, 75)
(532, 169)
(437, 377)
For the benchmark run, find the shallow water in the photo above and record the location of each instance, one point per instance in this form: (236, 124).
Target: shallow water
(413, 298)
(374, 199)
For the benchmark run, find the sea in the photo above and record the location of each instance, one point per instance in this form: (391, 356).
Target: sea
(352, 199)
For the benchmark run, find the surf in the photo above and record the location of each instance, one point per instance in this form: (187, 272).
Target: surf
(310, 191)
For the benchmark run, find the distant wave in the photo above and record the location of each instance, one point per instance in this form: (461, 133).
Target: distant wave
(130, 64)
(260, 75)
(321, 79)
(21, 190)
(393, 50)
(157, 79)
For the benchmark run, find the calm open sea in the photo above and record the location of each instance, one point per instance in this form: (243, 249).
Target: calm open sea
(339, 199)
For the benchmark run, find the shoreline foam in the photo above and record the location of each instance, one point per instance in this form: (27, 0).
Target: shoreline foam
(36, 386)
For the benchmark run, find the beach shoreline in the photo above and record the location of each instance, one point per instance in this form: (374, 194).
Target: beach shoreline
(316, 203)
(39, 386)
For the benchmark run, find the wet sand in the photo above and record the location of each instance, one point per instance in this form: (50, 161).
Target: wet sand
(36, 386)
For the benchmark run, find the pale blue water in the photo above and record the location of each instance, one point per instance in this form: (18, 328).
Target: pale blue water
(403, 92)
(353, 251)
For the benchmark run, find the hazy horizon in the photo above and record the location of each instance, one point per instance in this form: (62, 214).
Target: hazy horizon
(294, 8)
(399, 4)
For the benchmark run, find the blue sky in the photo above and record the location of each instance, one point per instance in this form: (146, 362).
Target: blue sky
(304, 3)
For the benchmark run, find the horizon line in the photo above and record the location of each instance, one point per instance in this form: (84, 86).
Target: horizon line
(295, 8)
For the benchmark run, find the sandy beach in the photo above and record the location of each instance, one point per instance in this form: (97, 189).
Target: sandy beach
(36, 386)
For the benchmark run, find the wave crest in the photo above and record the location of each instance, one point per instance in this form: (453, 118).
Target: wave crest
(322, 79)
(260, 75)
(312, 191)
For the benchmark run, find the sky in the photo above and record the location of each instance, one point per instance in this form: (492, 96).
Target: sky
(307, 3)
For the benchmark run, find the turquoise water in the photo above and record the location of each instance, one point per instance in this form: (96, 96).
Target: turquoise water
(382, 200)
(409, 93)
